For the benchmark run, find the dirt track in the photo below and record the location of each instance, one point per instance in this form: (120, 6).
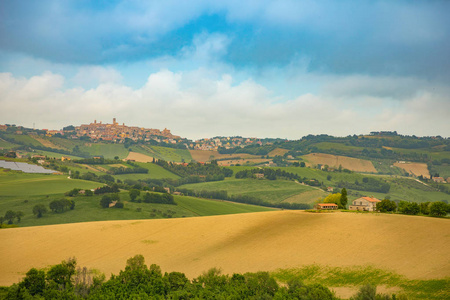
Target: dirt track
(414, 246)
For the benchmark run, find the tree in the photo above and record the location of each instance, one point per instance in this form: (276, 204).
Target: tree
(408, 208)
(438, 209)
(105, 201)
(39, 210)
(19, 215)
(425, 208)
(344, 198)
(88, 193)
(334, 198)
(134, 193)
(386, 205)
(34, 282)
(10, 216)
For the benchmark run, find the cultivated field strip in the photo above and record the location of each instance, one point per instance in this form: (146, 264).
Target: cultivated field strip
(413, 246)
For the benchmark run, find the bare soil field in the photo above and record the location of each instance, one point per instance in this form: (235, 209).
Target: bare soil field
(205, 155)
(139, 157)
(353, 164)
(416, 247)
(278, 151)
(415, 169)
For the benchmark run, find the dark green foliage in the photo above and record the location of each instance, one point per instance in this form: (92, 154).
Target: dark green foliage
(343, 201)
(88, 193)
(114, 188)
(72, 193)
(10, 216)
(34, 282)
(134, 193)
(207, 172)
(368, 184)
(425, 208)
(105, 201)
(386, 205)
(39, 210)
(438, 209)
(59, 206)
(158, 198)
(119, 204)
(408, 208)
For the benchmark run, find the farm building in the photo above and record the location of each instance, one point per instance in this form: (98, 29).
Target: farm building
(364, 204)
(327, 206)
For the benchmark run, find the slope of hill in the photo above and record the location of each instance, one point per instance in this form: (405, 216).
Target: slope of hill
(334, 161)
(416, 247)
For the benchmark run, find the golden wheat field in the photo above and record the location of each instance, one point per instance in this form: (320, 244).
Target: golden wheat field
(334, 161)
(414, 246)
(139, 157)
(415, 169)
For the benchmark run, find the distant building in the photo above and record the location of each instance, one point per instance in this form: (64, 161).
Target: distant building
(64, 158)
(330, 189)
(439, 179)
(326, 206)
(364, 204)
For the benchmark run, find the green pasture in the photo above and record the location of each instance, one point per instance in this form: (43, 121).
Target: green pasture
(68, 144)
(23, 139)
(273, 191)
(108, 151)
(357, 276)
(6, 145)
(154, 172)
(167, 154)
(19, 184)
(87, 209)
(52, 154)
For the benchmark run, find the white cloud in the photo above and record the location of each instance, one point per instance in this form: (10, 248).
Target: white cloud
(196, 104)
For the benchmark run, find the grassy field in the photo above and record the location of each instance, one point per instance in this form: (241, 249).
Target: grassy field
(19, 184)
(167, 154)
(409, 253)
(108, 151)
(271, 191)
(87, 209)
(154, 172)
(346, 281)
(24, 139)
(6, 145)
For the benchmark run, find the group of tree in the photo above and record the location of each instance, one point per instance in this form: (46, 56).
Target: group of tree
(125, 170)
(75, 192)
(340, 199)
(274, 174)
(160, 198)
(209, 172)
(114, 188)
(138, 281)
(434, 209)
(223, 195)
(10, 216)
(107, 199)
(61, 205)
(369, 184)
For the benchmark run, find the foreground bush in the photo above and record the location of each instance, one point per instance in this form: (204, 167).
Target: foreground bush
(137, 281)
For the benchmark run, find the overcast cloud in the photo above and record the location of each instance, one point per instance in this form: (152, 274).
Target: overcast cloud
(257, 68)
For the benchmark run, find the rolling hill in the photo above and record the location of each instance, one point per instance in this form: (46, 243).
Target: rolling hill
(411, 246)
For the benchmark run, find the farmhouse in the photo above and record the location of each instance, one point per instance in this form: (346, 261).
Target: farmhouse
(439, 179)
(327, 206)
(364, 204)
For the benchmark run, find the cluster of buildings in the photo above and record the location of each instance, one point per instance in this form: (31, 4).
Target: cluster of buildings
(226, 142)
(360, 204)
(116, 133)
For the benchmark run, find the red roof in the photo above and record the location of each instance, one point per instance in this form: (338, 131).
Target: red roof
(371, 199)
(327, 204)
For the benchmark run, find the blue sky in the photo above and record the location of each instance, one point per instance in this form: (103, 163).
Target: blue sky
(205, 68)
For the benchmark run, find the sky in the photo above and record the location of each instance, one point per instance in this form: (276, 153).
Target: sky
(264, 68)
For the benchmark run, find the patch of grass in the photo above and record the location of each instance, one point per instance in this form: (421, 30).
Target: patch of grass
(22, 184)
(361, 275)
(167, 154)
(108, 151)
(272, 191)
(23, 139)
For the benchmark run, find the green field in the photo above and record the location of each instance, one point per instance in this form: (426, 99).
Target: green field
(108, 151)
(6, 145)
(87, 209)
(167, 154)
(23, 140)
(19, 184)
(271, 191)
(354, 277)
(154, 172)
